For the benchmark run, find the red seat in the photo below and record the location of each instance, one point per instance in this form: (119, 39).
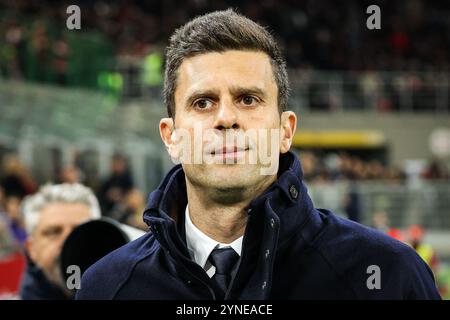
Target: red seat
(11, 270)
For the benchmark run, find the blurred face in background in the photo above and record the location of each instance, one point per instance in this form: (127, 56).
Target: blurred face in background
(56, 221)
(12, 208)
(118, 166)
(135, 200)
(70, 174)
(229, 92)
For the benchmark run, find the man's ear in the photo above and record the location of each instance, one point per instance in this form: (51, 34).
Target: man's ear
(166, 129)
(288, 126)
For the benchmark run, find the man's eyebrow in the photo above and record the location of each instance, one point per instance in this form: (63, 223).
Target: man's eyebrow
(239, 91)
(201, 94)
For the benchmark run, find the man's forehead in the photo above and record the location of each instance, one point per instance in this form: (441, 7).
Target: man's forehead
(215, 70)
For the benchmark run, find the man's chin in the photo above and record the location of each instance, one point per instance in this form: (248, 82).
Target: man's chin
(232, 168)
(231, 175)
(55, 277)
(224, 175)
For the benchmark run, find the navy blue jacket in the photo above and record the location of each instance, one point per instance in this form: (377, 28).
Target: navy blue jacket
(290, 251)
(35, 286)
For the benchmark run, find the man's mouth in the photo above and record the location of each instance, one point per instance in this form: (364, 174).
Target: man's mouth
(232, 149)
(229, 152)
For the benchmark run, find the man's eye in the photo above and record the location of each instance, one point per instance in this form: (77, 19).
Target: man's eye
(52, 232)
(203, 104)
(249, 100)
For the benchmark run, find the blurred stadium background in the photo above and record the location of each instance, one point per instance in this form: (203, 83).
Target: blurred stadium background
(374, 134)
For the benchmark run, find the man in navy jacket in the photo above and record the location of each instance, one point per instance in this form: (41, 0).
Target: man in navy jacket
(229, 222)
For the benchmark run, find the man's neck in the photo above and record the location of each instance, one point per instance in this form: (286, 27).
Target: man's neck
(221, 222)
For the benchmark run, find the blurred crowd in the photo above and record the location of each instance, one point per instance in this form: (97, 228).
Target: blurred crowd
(117, 195)
(325, 35)
(31, 240)
(341, 166)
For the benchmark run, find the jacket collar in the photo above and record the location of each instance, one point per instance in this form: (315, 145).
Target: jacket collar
(285, 204)
(36, 286)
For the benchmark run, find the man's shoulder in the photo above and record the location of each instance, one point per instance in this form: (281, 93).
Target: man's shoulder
(105, 277)
(355, 252)
(349, 236)
(346, 243)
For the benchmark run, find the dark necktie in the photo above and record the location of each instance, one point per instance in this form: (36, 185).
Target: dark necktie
(224, 261)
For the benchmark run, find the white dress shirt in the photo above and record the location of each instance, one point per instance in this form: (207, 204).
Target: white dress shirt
(200, 245)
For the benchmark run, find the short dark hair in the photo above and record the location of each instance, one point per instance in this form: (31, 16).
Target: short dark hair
(220, 31)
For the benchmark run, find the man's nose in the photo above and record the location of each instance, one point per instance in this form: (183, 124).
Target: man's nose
(226, 117)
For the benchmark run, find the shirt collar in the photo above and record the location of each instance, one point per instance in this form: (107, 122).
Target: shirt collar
(200, 245)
